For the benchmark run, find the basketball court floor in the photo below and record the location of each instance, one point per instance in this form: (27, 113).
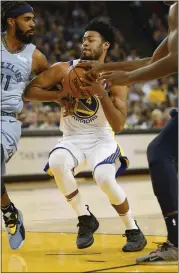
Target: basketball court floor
(51, 229)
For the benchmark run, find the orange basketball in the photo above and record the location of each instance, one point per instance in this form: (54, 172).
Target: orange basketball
(74, 75)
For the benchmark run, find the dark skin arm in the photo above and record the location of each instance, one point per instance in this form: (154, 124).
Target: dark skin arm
(161, 66)
(39, 62)
(164, 66)
(115, 107)
(97, 67)
(37, 89)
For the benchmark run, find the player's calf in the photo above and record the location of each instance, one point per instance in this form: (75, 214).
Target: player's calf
(87, 225)
(105, 178)
(161, 154)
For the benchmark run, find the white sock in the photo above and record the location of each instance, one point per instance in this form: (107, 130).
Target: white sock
(128, 220)
(78, 205)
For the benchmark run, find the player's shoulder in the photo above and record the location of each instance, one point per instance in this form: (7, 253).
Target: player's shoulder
(30, 46)
(120, 92)
(59, 66)
(37, 53)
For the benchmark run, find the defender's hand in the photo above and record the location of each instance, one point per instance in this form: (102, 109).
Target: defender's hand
(94, 88)
(114, 78)
(93, 68)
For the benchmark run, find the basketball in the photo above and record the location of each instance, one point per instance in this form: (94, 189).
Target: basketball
(73, 76)
(72, 82)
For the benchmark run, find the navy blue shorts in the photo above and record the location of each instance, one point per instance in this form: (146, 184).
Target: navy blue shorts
(166, 143)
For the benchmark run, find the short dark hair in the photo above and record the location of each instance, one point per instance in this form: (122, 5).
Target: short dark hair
(7, 6)
(104, 28)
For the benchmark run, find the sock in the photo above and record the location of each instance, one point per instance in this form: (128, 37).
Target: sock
(172, 228)
(9, 209)
(128, 220)
(78, 205)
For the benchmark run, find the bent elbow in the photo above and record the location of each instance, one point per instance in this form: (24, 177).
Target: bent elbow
(176, 65)
(174, 62)
(26, 95)
(118, 129)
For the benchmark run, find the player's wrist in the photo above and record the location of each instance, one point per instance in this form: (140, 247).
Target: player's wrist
(104, 96)
(58, 95)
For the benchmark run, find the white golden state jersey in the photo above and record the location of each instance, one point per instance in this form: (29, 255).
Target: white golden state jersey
(15, 73)
(88, 117)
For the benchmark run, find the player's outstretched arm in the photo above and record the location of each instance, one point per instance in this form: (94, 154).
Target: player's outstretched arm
(37, 89)
(96, 67)
(158, 68)
(162, 68)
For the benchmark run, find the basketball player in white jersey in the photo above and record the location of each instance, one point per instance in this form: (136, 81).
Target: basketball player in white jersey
(162, 151)
(19, 58)
(88, 138)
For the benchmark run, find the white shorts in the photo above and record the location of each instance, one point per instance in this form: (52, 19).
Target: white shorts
(92, 151)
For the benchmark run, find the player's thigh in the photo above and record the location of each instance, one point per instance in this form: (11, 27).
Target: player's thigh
(104, 152)
(108, 152)
(69, 153)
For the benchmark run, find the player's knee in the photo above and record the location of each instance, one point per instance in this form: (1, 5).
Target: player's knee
(103, 176)
(61, 159)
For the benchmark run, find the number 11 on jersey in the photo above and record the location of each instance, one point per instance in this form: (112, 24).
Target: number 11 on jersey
(8, 78)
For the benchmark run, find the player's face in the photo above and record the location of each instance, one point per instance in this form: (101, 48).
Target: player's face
(92, 46)
(24, 27)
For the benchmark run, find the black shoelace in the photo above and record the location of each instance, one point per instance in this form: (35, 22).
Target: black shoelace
(131, 235)
(161, 247)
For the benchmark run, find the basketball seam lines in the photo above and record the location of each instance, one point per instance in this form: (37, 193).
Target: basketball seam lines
(78, 76)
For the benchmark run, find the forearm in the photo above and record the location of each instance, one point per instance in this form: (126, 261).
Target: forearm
(162, 68)
(115, 117)
(38, 94)
(127, 65)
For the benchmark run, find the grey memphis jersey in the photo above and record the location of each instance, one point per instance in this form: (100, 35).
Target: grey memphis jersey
(15, 74)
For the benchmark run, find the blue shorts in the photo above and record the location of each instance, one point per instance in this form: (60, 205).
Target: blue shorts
(10, 136)
(166, 143)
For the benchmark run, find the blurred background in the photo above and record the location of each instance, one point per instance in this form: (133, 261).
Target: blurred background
(141, 27)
